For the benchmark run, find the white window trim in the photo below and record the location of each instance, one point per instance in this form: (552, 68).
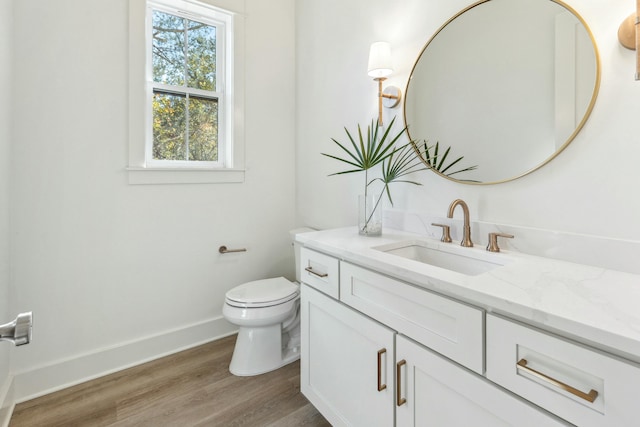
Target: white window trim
(140, 170)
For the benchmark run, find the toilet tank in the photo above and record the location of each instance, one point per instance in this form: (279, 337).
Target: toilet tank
(297, 246)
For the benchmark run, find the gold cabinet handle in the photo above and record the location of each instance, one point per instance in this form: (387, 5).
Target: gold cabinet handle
(315, 273)
(380, 385)
(399, 399)
(589, 397)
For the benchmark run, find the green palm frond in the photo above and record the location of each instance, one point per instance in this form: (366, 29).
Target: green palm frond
(368, 150)
(401, 162)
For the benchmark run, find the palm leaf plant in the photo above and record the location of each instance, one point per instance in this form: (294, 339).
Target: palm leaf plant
(374, 148)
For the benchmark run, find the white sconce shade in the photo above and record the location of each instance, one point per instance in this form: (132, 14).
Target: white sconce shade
(380, 60)
(380, 67)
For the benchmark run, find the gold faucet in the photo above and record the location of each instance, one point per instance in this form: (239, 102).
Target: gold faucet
(466, 236)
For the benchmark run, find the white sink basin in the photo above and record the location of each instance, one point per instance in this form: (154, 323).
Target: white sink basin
(464, 260)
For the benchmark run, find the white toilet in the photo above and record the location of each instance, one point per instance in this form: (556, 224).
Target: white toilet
(267, 313)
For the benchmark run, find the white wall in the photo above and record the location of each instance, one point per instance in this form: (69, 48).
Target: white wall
(590, 188)
(5, 137)
(104, 264)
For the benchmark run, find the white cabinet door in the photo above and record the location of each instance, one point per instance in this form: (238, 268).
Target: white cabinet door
(433, 391)
(346, 363)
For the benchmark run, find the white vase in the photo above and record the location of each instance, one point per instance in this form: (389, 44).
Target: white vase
(369, 215)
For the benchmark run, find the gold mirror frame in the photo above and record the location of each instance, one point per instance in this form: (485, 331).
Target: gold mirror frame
(560, 148)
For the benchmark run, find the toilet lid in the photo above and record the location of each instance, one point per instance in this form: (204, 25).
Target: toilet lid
(262, 293)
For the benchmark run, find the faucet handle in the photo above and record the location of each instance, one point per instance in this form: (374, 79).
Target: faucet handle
(493, 241)
(446, 232)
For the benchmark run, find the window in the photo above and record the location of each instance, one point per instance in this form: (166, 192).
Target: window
(187, 70)
(188, 106)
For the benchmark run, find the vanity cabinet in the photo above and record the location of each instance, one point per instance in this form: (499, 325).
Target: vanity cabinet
(360, 368)
(532, 342)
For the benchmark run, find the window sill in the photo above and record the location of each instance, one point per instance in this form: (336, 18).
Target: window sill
(150, 176)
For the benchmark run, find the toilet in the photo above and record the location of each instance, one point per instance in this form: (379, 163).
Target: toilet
(267, 313)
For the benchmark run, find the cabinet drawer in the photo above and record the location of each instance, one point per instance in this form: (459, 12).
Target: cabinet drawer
(320, 271)
(449, 327)
(582, 385)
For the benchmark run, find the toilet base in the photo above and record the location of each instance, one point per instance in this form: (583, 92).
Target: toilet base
(261, 349)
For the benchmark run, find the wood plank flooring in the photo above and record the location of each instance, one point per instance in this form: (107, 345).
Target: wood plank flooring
(191, 388)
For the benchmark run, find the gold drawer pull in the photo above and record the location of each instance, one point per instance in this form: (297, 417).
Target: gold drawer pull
(315, 273)
(380, 353)
(589, 397)
(399, 399)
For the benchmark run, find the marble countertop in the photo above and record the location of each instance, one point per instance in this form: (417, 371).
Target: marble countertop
(592, 305)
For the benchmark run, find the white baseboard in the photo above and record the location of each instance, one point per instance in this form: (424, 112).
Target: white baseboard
(78, 369)
(6, 401)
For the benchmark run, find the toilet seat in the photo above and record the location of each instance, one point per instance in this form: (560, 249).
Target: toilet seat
(262, 293)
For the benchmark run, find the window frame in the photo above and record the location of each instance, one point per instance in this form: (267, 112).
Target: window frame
(142, 168)
(223, 23)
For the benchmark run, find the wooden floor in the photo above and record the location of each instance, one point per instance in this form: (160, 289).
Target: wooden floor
(191, 388)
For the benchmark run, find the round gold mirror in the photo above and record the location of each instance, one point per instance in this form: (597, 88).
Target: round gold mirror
(503, 86)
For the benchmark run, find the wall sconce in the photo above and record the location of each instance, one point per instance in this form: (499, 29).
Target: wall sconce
(629, 35)
(380, 67)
